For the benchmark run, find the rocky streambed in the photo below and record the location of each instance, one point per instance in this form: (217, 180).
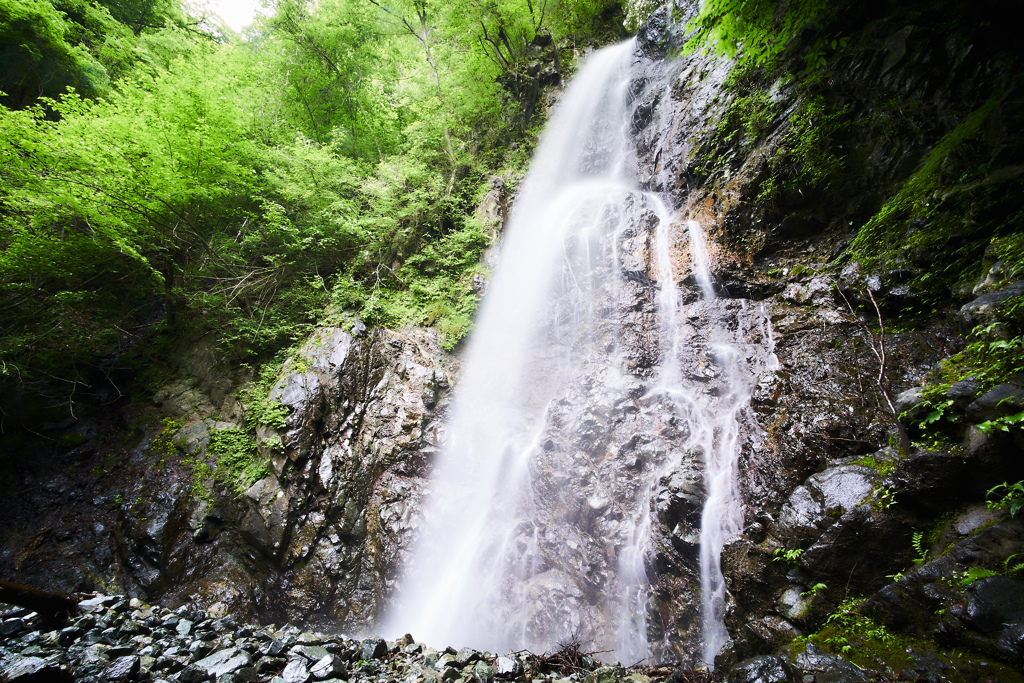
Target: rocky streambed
(116, 638)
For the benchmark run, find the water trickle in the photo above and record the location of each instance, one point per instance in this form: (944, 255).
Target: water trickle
(587, 385)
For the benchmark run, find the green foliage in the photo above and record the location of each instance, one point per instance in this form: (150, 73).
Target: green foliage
(915, 198)
(809, 156)
(49, 45)
(1007, 497)
(884, 467)
(917, 543)
(202, 478)
(261, 410)
(163, 445)
(814, 590)
(40, 55)
(883, 497)
(325, 168)
(975, 574)
(759, 31)
(988, 360)
(238, 462)
(787, 555)
(1014, 564)
(747, 117)
(850, 633)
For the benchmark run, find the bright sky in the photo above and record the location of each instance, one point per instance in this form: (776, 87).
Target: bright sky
(236, 13)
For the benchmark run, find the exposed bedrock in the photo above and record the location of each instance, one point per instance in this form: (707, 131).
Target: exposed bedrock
(844, 497)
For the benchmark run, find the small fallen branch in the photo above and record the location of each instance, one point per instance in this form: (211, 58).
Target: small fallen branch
(53, 607)
(877, 343)
(568, 659)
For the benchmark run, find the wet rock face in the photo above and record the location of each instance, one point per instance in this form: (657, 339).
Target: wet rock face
(338, 510)
(981, 610)
(828, 500)
(314, 542)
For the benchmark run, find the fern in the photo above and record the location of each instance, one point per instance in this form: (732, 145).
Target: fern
(917, 542)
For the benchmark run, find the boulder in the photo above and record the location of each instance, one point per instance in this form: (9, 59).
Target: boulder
(225, 661)
(763, 669)
(983, 310)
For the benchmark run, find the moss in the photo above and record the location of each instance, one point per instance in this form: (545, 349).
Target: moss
(238, 462)
(962, 200)
(73, 439)
(875, 648)
(810, 155)
(162, 445)
(883, 467)
(882, 234)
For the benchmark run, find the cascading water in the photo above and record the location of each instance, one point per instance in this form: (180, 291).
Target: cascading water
(587, 385)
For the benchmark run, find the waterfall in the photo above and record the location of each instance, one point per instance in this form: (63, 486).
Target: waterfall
(586, 384)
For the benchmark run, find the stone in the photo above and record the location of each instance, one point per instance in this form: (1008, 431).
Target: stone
(122, 668)
(373, 648)
(963, 393)
(483, 671)
(313, 653)
(198, 649)
(932, 479)
(763, 669)
(225, 661)
(31, 669)
(792, 603)
(909, 405)
(98, 601)
(604, 674)
(466, 655)
(267, 664)
(994, 602)
(247, 674)
(170, 664)
(507, 666)
(11, 626)
(328, 667)
(1011, 640)
(982, 311)
(69, 635)
(191, 674)
(1001, 400)
(828, 668)
(295, 672)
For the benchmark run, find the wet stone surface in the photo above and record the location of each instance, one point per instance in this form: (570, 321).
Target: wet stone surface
(119, 640)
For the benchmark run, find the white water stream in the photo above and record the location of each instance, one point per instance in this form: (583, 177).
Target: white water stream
(534, 529)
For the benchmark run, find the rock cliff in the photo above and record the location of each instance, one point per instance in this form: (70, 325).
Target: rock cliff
(854, 488)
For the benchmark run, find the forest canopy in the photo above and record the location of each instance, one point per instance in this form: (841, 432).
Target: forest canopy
(163, 176)
(160, 175)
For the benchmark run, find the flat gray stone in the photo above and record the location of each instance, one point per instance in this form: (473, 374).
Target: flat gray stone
(329, 666)
(295, 672)
(122, 668)
(225, 661)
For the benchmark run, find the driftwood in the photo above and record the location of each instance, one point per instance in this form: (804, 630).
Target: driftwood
(53, 607)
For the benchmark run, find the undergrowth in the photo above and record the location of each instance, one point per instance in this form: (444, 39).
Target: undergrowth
(994, 355)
